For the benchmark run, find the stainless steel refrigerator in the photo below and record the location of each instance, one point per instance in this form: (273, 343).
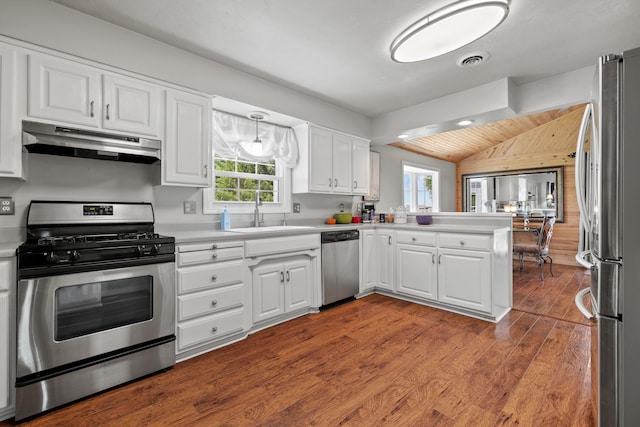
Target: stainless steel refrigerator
(608, 188)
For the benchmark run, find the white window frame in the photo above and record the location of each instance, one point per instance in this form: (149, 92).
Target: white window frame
(211, 206)
(414, 170)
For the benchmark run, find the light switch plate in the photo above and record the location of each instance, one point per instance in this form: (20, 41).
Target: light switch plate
(189, 207)
(296, 208)
(7, 206)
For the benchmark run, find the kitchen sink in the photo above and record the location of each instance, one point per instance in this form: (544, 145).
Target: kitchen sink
(268, 228)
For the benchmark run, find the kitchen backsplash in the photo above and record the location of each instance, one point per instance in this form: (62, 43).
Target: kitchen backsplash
(67, 178)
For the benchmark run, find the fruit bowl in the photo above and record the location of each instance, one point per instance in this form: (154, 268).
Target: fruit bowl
(423, 219)
(343, 218)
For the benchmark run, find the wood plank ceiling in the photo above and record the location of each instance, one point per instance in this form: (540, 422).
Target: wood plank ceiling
(457, 145)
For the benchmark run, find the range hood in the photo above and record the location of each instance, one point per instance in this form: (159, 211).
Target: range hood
(65, 141)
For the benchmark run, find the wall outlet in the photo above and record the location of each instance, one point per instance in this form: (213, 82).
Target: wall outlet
(189, 207)
(7, 206)
(296, 207)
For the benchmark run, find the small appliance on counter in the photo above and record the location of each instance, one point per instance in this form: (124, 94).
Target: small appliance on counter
(400, 215)
(368, 212)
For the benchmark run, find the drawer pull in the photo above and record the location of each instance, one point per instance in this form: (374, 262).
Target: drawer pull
(214, 246)
(413, 239)
(214, 256)
(461, 242)
(214, 329)
(214, 278)
(214, 303)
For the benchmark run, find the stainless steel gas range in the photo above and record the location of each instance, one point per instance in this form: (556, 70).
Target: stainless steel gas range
(95, 301)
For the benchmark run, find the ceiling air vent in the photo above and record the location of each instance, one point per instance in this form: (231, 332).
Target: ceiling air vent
(472, 59)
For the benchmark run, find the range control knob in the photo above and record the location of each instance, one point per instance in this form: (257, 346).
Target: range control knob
(140, 250)
(52, 258)
(75, 256)
(155, 249)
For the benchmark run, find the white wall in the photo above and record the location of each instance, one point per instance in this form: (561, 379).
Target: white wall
(391, 178)
(75, 179)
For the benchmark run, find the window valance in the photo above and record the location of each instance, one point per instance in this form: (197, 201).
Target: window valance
(233, 137)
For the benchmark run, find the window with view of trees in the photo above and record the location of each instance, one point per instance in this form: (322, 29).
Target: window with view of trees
(420, 188)
(237, 180)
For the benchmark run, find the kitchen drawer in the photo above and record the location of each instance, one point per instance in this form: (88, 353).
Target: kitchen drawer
(209, 328)
(465, 241)
(270, 246)
(208, 256)
(209, 302)
(424, 238)
(192, 247)
(210, 276)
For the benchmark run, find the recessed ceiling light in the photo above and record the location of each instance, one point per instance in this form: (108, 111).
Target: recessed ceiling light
(464, 122)
(448, 28)
(403, 136)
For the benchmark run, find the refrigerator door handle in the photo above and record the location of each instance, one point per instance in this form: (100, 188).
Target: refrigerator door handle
(579, 301)
(580, 167)
(581, 258)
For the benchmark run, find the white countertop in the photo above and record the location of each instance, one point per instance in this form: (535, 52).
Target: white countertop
(201, 232)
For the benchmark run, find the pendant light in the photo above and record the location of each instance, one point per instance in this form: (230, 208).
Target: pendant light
(256, 145)
(448, 28)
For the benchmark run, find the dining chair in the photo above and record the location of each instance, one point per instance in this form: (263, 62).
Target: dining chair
(539, 250)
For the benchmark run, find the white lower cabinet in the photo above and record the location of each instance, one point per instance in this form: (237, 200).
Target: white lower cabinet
(384, 259)
(417, 272)
(452, 270)
(368, 270)
(464, 278)
(212, 300)
(280, 287)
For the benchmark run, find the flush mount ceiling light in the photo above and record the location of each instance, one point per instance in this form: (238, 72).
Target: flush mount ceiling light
(448, 28)
(258, 116)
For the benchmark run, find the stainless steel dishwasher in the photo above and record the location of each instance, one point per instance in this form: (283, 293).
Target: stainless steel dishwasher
(340, 265)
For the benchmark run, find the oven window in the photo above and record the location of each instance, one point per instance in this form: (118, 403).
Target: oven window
(94, 307)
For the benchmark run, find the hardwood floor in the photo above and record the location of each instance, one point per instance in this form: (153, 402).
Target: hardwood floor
(377, 361)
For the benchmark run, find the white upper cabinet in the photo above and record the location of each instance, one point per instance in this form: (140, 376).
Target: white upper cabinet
(76, 94)
(360, 166)
(131, 105)
(186, 153)
(64, 91)
(330, 162)
(10, 141)
(320, 169)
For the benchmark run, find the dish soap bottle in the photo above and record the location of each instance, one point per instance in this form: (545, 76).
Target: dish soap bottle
(225, 219)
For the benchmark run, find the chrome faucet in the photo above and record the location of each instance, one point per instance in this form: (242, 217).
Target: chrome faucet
(256, 212)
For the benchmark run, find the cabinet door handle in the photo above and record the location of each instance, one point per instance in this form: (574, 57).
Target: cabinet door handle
(91, 111)
(336, 183)
(214, 329)
(389, 240)
(282, 277)
(355, 184)
(206, 172)
(329, 182)
(107, 111)
(214, 278)
(214, 303)
(439, 259)
(433, 258)
(288, 276)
